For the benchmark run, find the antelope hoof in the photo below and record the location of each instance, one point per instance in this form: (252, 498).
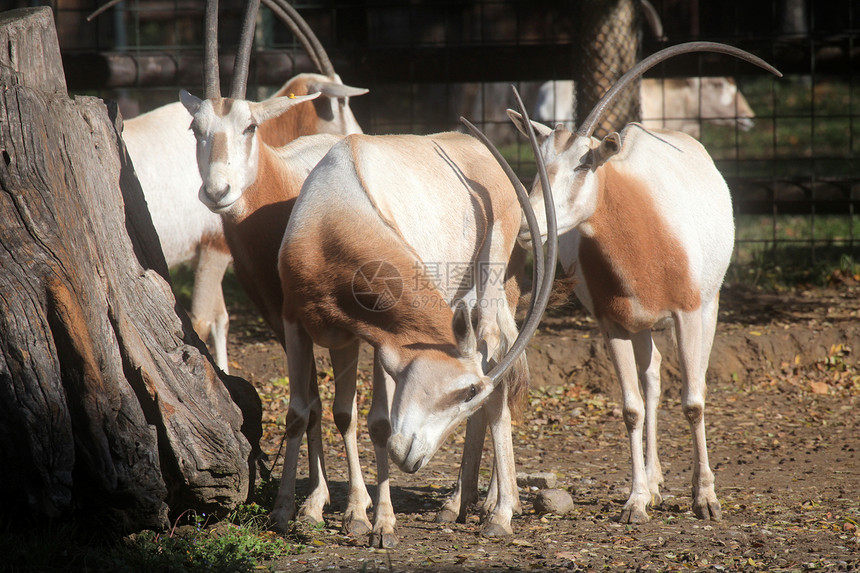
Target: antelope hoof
(633, 514)
(311, 520)
(355, 526)
(496, 530)
(279, 521)
(656, 499)
(446, 516)
(277, 526)
(382, 540)
(708, 510)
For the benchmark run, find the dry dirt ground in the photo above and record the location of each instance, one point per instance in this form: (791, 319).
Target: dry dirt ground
(782, 424)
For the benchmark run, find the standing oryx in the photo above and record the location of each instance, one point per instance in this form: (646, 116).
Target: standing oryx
(374, 222)
(645, 224)
(162, 150)
(253, 187)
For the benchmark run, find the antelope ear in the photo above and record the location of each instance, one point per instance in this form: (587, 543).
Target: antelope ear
(273, 107)
(464, 331)
(610, 145)
(191, 103)
(541, 131)
(334, 89)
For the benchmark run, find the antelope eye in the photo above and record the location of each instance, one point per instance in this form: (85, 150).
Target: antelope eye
(473, 391)
(250, 129)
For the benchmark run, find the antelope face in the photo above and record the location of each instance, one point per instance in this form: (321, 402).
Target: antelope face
(432, 397)
(435, 392)
(228, 148)
(723, 104)
(571, 162)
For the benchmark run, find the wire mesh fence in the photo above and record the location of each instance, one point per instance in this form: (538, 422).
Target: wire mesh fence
(787, 147)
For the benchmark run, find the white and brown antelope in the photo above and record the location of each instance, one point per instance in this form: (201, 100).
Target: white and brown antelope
(162, 150)
(253, 187)
(645, 224)
(241, 179)
(374, 222)
(682, 104)
(679, 104)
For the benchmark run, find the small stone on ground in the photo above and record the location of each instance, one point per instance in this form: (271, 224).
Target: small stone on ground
(556, 501)
(540, 480)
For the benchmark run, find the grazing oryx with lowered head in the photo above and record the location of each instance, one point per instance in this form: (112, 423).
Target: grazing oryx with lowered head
(253, 187)
(163, 152)
(645, 224)
(376, 220)
(680, 104)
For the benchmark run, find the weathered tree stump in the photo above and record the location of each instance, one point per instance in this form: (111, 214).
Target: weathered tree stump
(110, 408)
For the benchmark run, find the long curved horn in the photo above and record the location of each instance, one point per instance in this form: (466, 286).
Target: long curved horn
(652, 18)
(545, 285)
(243, 55)
(303, 32)
(590, 123)
(523, 197)
(101, 9)
(211, 73)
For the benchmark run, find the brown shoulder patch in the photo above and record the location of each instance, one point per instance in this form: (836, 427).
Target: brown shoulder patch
(635, 268)
(357, 277)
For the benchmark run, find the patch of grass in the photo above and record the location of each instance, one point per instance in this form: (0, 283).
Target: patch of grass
(774, 252)
(229, 548)
(236, 544)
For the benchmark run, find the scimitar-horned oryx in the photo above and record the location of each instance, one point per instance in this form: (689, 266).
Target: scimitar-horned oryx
(645, 225)
(375, 220)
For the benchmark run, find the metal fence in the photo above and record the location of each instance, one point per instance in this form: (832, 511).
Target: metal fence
(793, 174)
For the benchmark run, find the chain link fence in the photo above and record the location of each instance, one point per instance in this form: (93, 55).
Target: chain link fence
(789, 152)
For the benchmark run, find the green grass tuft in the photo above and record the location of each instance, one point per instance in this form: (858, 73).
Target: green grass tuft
(235, 545)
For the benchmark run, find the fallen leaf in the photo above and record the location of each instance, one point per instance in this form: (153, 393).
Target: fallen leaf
(819, 387)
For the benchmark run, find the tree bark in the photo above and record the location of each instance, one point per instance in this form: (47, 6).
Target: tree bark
(110, 408)
(609, 46)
